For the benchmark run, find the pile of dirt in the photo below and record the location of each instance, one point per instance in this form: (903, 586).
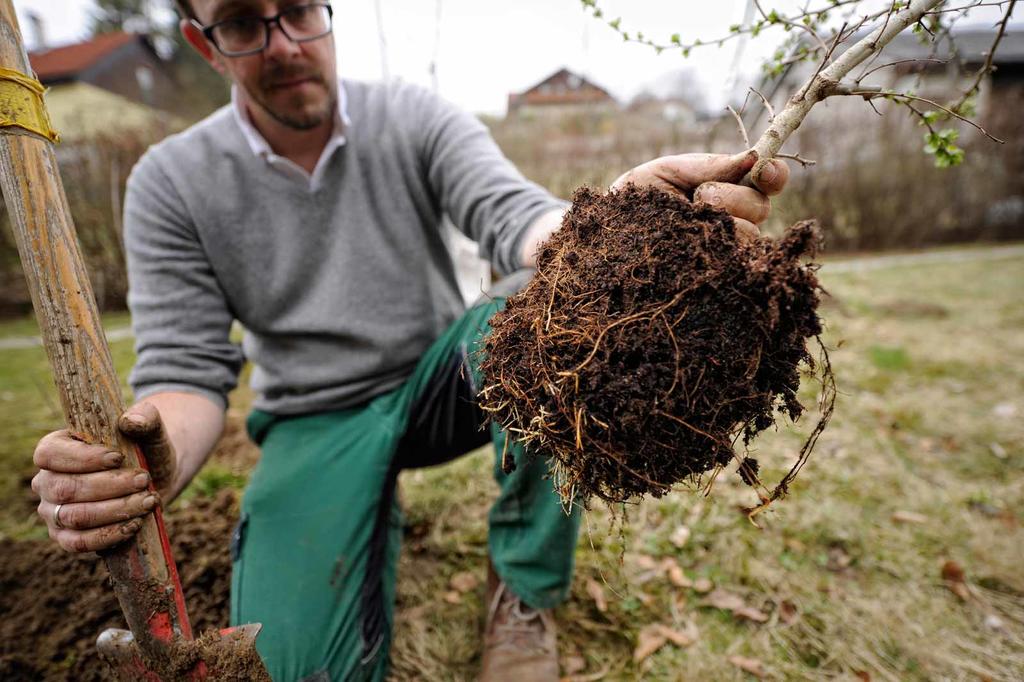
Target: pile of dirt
(650, 341)
(53, 604)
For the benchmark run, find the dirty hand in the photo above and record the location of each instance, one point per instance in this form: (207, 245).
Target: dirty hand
(101, 503)
(712, 178)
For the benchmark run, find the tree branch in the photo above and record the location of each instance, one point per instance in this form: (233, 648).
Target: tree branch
(799, 159)
(898, 61)
(848, 88)
(638, 37)
(743, 128)
(792, 24)
(824, 60)
(814, 90)
(987, 66)
(872, 94)
(767, 105)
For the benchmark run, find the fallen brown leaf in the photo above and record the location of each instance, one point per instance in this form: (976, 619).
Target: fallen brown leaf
(464, 581)
(838, 559)
(953, 572)
(723, 599)
(863, 675)
(750, 613)
(452, 597)
(646, 562)
(675, 573)
(749, 665)
(960, 590)
(656, 635)
(903, 516)
(573, 664)
(646, 577)
(787, 612)
(596, 593)
(795, 545)
(589, 677)
(703, 585)
(594, 626)
(956, 580)
(728, 601)
(681, 638)
(650, 639)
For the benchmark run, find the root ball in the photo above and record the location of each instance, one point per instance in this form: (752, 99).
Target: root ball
(649, 342)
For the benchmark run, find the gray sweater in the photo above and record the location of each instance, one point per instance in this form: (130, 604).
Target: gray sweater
(340, 288)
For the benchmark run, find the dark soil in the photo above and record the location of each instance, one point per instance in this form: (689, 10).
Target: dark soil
(650, 341)
(53, 604)
(227, 657)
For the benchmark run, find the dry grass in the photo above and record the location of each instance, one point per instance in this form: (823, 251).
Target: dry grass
(931, 369)
(930, 363)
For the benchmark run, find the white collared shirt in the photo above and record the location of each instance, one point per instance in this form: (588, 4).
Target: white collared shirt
(260, 147)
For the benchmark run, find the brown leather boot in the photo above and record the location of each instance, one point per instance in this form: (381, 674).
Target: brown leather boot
(519, 641)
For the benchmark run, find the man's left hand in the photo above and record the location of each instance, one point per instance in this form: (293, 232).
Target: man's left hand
(704, 177)
(713, 178)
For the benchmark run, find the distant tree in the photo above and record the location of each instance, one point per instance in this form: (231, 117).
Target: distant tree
(681, 84)
(122, 15)
(202, 88)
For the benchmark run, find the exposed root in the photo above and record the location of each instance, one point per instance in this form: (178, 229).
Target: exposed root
(650, 342)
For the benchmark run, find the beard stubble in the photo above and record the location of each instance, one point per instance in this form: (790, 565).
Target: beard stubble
(295, 117)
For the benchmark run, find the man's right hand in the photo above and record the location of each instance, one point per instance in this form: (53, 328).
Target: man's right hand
(100, 503)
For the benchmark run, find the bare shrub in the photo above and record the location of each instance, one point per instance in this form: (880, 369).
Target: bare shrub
(94, 175)
(590, 147)
(874, 189)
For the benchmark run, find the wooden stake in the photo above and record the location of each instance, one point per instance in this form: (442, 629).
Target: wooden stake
(143, 571)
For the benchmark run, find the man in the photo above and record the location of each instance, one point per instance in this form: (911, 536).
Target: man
(309, 210)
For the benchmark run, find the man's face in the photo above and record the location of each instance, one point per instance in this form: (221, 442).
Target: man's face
(295, 83)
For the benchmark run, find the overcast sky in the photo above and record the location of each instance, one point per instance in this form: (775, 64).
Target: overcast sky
(487, 48)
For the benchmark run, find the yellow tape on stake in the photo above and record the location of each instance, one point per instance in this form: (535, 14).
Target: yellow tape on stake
(22, 106)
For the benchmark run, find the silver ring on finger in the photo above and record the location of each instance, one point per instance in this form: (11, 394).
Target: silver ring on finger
(56, 517)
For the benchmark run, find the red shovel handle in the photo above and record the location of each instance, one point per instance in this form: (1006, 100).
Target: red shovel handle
(154, 598)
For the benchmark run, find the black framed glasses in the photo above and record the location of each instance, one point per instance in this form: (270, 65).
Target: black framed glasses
(245, 35)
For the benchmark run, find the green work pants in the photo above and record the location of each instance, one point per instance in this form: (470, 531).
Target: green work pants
(316, 548)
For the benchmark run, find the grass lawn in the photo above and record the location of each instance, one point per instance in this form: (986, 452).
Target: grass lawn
(30, 408)
(27, 326)
(923, 466)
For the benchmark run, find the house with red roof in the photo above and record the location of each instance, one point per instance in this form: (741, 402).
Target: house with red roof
(126, 64)
(562, 92)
